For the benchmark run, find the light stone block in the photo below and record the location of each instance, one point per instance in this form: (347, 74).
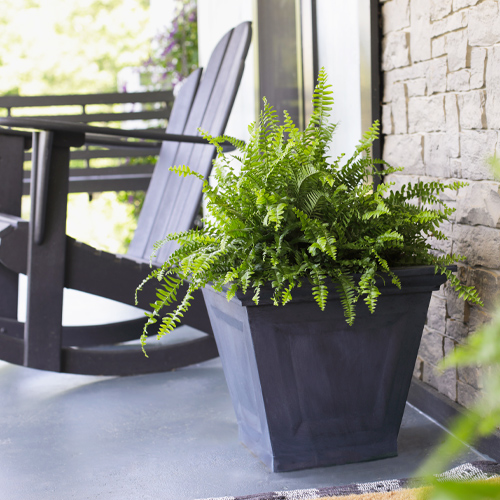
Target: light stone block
(399, 106)
(430, 375)
(431, 346)
(452, 126)
(419, 368)
(451, 110)
(456, 308)
(492, 108)
(449, 194)
(436, 315)
(417, 70)
(426, 114)
(440, 247)
(456, 168)
(451, 23)
(438, 46)
(395, 50)
(458, 80)
(457, 329)
(466, 394)
(387, 125)
(461, 4)
(405, 151)
(443, 246)
(472, 375)
(479, 204)
(452, 204)
(484, 24)
(478, 317)
(493, 68)
(487, 283)
(436, 155)
(389, 81)
(456, 47)
(395, 15)
(440, 9)
(417, 87)
(493, 88)
(479, 244)
(476, 147)
(447, 382)
(477, 67)
(436, 76)
(472, 110)
(420, 30)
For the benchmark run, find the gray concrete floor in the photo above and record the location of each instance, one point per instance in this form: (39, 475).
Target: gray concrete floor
(166, 436)
(169, 436)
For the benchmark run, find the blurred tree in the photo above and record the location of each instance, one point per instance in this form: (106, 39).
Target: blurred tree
(58, 47)
(79, 46)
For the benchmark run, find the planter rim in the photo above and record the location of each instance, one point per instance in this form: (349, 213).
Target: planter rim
(413, 279)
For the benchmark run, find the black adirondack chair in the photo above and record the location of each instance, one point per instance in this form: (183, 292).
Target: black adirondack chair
(41, 249)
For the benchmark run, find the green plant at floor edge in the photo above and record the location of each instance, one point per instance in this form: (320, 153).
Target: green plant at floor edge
(290, 215)
(483, 348)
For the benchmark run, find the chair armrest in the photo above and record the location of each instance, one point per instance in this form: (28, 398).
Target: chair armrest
(60, 126)
(18, 133)
(106, 141)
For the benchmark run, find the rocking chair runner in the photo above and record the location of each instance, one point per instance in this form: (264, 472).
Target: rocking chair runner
(41, 249)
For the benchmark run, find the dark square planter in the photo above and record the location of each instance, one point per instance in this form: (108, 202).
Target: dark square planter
(309, 390)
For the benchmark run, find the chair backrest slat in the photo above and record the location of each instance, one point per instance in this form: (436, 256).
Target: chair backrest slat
(159, 180)
(166, 203)
(215, 120)
(172, 202)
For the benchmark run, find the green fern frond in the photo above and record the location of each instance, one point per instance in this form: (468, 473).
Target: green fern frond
(319, 289)
(346, 287)
(184, 170)
(288, 213)
(275, 214)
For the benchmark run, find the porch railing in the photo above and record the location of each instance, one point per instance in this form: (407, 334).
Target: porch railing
(94, 168)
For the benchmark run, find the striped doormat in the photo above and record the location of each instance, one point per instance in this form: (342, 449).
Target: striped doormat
(378, 490)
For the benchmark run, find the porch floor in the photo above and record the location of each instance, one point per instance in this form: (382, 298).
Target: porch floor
(166, 436)
(169, 436)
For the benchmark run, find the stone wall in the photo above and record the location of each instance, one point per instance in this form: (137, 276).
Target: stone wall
(441, 116)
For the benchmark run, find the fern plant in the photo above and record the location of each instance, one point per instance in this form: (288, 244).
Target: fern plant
(287, 214)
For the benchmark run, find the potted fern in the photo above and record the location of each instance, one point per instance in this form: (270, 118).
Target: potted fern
(321, 380)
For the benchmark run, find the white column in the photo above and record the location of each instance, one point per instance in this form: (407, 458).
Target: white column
(339, 53)
(215, 18)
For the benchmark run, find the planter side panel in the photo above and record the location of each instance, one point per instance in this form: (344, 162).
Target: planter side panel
(234, 343)
(333, 393)
(308, 390)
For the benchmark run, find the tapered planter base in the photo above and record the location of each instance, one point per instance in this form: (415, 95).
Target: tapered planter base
(343, 454)
(308, 390)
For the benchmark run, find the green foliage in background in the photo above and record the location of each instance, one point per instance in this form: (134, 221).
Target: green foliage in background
(482, 349)
(174, 53)
(291, 215)
(133, 201)
(56, 47)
